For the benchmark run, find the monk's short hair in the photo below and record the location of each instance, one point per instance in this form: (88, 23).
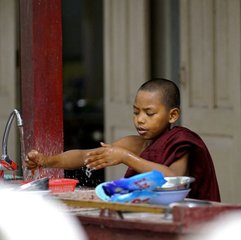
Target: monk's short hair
(170, 94)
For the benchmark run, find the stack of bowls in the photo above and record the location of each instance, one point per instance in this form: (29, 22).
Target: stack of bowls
(174, 190)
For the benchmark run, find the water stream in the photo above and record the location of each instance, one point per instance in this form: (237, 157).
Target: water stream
(88, 172)
(26, 173)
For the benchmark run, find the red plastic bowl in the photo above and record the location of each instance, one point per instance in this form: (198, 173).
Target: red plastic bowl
(57, 185)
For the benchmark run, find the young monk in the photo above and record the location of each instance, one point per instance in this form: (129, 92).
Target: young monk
(174, 151)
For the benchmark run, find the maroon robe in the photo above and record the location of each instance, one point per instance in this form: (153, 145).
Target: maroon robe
(174, 144)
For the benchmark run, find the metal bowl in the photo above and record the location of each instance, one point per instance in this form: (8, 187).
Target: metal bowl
(176, 183)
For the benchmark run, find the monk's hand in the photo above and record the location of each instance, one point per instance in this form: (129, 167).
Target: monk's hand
(107, 155)
(35, 159)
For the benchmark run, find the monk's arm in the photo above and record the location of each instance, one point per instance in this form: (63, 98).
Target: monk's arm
(71, 159)
(76, 158)
(127, 151)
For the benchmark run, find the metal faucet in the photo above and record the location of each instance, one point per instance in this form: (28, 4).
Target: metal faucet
(5, 162)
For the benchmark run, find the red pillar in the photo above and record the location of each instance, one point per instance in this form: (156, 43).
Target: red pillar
(41, 77)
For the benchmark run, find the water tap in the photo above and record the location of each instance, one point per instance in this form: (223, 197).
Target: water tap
(5, 162)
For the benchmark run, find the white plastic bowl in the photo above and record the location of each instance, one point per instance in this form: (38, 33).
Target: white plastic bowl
(167, 197)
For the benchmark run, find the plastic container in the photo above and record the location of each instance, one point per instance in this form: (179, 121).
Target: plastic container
(58, 185)
(144, 196)
(167, 197)
(159, 198)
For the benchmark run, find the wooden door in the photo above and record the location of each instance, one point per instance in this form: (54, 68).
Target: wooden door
(125, 66)
(210, 84)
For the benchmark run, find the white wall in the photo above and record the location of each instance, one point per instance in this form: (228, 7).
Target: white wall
(8, 73)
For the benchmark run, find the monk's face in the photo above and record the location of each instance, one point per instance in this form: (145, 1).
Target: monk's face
(151, 117)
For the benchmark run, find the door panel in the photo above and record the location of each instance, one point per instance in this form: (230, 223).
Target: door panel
(210, 83)
(125, 66)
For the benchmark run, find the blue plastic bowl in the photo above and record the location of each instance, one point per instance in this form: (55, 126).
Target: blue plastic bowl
(167, 197)
(156, 197)
(101, 193)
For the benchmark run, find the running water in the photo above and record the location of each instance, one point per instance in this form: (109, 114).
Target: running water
(88, 172)
(26, 173)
